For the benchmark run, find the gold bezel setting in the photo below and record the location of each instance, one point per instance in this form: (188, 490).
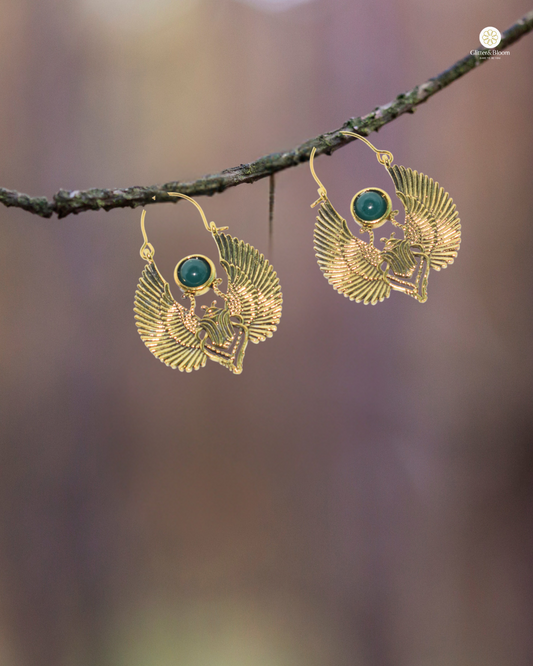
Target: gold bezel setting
(201, 289)
(372, 224)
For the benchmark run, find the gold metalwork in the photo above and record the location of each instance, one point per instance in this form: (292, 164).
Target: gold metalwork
(364, 273)
(251, 307)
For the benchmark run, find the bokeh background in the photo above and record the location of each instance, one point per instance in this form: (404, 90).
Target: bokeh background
(362, 494)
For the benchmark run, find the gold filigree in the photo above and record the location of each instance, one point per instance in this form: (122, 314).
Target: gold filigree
(364, 273)
(251, 309)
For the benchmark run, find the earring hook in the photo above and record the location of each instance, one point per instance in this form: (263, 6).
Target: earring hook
(147, 250)
(321, 189)
(210, 227)
(384, 156)
(200, 209)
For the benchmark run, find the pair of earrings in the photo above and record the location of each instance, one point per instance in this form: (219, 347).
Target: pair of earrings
(251, 308)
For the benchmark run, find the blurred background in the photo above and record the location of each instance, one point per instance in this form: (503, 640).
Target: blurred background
(362, 494)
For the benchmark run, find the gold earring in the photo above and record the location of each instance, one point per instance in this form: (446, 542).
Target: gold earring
(361, 271)
(250, 310)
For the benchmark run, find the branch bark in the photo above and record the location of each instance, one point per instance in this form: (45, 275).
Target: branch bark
(66, 203)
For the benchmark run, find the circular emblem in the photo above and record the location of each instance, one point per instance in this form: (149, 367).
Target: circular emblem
(371, 207)
(490, 37)
(195, 274)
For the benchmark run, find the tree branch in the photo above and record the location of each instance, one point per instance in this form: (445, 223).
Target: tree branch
(66, 203)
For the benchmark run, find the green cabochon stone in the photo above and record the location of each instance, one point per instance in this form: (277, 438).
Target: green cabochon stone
(194, 272)
(370, 206)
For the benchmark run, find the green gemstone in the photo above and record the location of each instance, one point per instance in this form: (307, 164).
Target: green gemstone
(194, 272)
(370, 206)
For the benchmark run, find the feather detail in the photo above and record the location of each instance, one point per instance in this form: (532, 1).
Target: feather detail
(432, 223)
(167, 328)
(350, 265)
(254, 291)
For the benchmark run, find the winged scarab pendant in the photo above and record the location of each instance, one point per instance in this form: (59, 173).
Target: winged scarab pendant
(249, 312)
(367, 274)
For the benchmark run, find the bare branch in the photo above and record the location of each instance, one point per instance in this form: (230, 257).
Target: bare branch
(66, 203)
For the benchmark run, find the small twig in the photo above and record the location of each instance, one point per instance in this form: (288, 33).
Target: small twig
(271, 198)
(66, 203)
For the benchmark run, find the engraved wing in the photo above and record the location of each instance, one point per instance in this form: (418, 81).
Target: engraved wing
(166, 328)
(350, 265)
(254, 291)
(431, 218)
